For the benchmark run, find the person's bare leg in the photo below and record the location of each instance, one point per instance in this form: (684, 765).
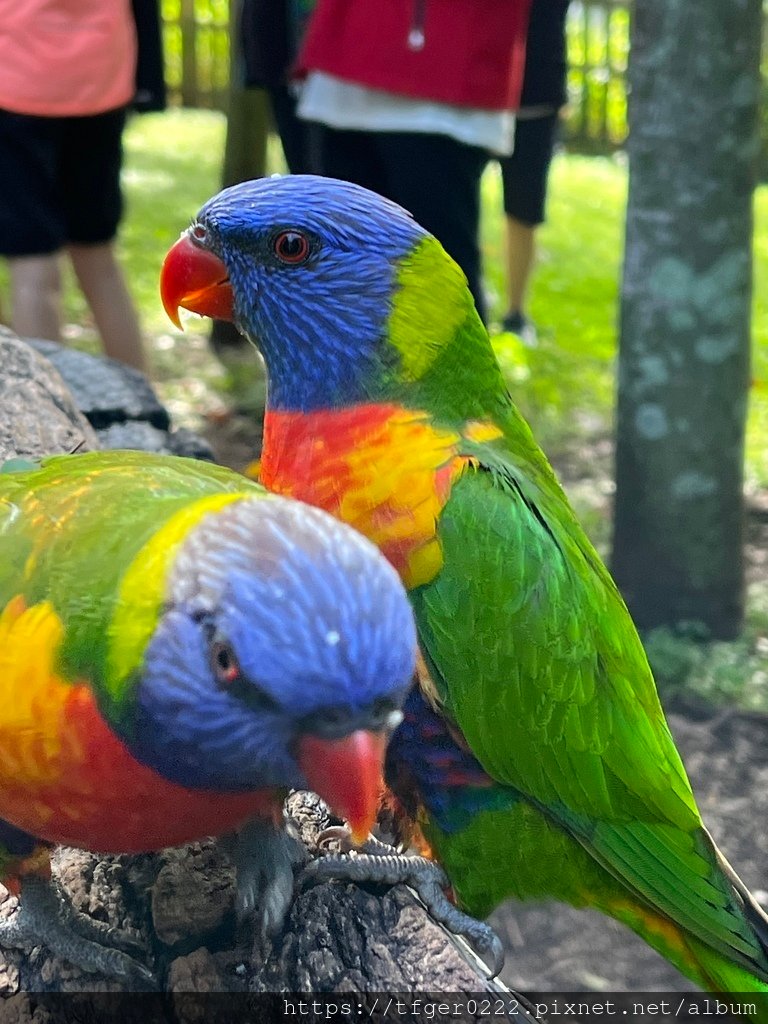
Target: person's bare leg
(103, 285)
(36, 296)
(521, 253)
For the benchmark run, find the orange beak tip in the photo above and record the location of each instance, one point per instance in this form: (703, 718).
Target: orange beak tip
(361, 833)
(173, 316)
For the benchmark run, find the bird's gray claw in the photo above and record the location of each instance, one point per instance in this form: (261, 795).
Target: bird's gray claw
(45, 918)
(481, 937)
(495, 953)
(336, 839)
(104, 934)
(425, 877)
(264, 859)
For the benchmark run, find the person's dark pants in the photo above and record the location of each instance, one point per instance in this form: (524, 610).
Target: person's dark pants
(59, 181)
(525, 173)
(300, 139)
(434, 177)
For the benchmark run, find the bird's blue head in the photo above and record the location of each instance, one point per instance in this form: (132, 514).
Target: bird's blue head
(282, 658)
(333, 283)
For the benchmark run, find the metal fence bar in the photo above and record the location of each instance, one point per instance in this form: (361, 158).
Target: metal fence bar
(598, 46)
(190, 92)
(196, 38)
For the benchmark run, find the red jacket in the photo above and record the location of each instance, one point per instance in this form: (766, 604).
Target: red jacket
(473, 51)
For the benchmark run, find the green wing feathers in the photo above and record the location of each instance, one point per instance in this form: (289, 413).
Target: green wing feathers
(538, 663)
(558, 700)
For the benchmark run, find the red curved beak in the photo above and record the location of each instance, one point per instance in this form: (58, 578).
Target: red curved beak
(347, 774)
(193, 278)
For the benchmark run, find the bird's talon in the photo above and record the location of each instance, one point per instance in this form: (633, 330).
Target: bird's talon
(264, 859)
(45, 918)
(336, 839)
(425, 877)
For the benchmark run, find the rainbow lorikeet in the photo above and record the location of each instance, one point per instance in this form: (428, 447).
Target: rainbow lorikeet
(534, 755)
(178, 648)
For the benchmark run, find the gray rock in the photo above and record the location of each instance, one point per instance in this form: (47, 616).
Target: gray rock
(196, 972)
(37, 413)
(143, 436)
(184, 442)
(105, 391)
(120, 404)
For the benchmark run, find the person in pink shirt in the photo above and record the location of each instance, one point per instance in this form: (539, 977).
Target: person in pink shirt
(67, 75)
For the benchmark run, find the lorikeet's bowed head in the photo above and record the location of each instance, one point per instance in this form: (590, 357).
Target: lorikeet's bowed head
(343, 255)
(282, 658)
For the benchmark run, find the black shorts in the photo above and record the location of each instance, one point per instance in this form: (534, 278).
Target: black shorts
(59, 181)
(524, 174)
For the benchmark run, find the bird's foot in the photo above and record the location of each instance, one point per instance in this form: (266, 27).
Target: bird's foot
(46, 918)
(375, 862)
(264, 857)
(338, 839)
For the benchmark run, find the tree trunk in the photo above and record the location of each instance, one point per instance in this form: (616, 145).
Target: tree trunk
(685, 314)
(340, 943)
(245, 156)
(245, 153)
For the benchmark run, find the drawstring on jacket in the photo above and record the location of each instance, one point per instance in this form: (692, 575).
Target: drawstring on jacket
(416, 36)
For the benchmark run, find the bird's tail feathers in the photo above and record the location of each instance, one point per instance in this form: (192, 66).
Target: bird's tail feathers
(753, 912)
(707, 968)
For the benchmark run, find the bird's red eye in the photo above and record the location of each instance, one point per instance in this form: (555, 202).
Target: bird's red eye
(291, 247)
(198, 232)
(225, 666)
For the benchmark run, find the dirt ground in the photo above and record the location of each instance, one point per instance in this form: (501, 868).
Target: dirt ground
(555, 948)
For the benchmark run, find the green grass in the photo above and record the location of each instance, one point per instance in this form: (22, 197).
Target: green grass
(719, 673)
(173, 164)
(566, 383)
(566, 389)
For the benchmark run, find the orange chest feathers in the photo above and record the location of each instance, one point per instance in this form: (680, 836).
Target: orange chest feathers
(385, 470)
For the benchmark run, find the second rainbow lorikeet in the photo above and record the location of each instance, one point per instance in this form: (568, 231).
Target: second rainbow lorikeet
(178, 648)
(535, 755)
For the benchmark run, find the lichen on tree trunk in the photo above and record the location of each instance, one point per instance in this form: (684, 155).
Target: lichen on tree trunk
(685, 314)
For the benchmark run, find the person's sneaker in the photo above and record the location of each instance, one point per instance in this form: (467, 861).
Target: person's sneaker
(519, 324)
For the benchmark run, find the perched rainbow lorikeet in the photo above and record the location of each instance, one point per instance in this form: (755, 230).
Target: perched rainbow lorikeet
(534, 755)
(178, 648)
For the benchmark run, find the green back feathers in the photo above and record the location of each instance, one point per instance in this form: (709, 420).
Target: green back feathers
(536, 659)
